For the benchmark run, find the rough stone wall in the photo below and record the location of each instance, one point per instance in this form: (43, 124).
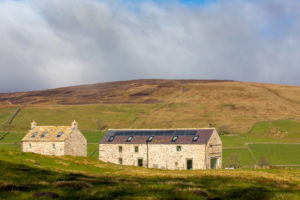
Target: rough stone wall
(76, 144)
(214, 150)
(164, 156)
(44, 148)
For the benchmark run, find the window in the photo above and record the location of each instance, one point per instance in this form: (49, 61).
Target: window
(129, 139)
(44, 134)
(120, 161)
(178, 148)
(195, 138)
(111, 138)
(136, 149)
(53, 146)
(174, 138)
(59, 134)
(120, 149)
(150, 138)
(34, 134)
(29, 146)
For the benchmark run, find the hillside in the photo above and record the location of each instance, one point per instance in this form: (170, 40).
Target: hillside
(27, 175)
(231, 106)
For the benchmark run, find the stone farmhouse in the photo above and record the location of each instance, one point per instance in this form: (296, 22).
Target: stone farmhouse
(175, 149)
(55, 140)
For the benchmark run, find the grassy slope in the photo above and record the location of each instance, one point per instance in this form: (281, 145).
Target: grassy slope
(83, 178)
(236, 106)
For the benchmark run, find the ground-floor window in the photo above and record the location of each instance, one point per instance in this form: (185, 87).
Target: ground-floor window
(120, 149)
(140, 162)
(120, 161)
(53, 146)
(29, 146)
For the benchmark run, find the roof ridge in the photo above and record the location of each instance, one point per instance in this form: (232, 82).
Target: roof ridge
(160, 129)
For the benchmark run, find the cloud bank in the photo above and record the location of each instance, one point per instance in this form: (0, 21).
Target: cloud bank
(54, 43)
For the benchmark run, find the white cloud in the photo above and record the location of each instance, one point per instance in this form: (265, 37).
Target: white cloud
(57, 43)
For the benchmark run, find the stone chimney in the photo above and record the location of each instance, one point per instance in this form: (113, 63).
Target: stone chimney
(33, 124)
(74, 125)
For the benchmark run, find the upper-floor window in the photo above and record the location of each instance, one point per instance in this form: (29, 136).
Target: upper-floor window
(195, 138)
(136, 149)
(120, 149)
(178, 148)
(174, 138)
(129, 139)
(53, 146)
(111, 138)
(150, 138)
(29, 146)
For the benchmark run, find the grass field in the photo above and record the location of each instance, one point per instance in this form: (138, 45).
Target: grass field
(24, 175)
(244, 156)
(289, 153)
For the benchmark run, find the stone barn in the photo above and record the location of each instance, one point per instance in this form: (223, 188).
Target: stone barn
(55, 140)
(175, 149)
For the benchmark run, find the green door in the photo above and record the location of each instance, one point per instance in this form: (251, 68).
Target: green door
(213, 163)
(189, 164)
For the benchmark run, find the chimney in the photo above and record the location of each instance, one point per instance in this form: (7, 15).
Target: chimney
(74, 125)
(33, 124)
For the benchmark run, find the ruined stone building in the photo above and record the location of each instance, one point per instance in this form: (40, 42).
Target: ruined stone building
(175, 149)
(55, 140)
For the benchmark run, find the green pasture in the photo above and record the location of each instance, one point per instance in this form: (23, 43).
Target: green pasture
(279, 130)
(244, 157)
(90, 117)
(277, 154)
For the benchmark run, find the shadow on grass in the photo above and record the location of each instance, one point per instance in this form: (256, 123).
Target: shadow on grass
(19, 181)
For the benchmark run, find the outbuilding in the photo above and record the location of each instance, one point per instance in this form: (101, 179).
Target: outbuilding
(175, 149)
(55, 140)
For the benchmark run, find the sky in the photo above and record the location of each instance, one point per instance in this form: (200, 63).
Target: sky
(54, 43)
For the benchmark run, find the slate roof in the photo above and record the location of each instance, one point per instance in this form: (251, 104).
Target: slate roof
(52, 132)
(161, 136)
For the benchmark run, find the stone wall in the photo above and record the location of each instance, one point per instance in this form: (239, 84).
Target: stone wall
(45, 148)
(214, 150)
(164, 156)
(76, 144)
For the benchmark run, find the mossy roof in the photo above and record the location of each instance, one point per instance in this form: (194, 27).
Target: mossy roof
(48, 133)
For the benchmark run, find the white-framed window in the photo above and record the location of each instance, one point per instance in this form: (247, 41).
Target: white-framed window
(29, 145)
(53, 146)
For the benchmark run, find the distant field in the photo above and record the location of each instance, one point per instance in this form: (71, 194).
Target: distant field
(277, 154)
(245, 158)
(232, 141)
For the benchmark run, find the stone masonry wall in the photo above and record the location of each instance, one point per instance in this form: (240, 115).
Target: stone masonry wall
(76, 144)
(214, 150)
(164, 156)
(44, 148)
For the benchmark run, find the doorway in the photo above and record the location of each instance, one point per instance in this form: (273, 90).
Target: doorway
(189, 164)
(140, 162)
(213, 163)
